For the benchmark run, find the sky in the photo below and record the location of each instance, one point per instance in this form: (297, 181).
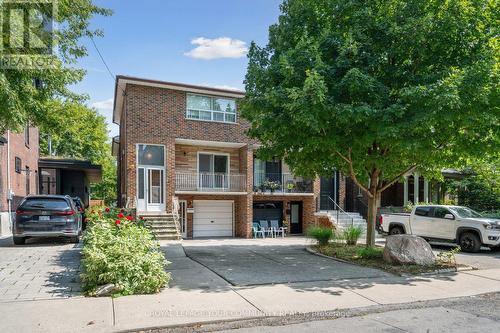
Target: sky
(201, 42)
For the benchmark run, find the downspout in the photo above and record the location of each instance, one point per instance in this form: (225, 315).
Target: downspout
(9, 189)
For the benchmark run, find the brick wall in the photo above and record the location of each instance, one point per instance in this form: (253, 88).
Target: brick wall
(29, 154)
(308, 206)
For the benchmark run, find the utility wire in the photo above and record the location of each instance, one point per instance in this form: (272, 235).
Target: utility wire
(102, 58)
(105, 64)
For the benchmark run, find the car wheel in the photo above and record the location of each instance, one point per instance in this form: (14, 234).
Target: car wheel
(470, 242)
(396, 231)
(19, 240)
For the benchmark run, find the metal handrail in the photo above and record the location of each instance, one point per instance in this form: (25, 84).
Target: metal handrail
(175, 214)
(343, 211)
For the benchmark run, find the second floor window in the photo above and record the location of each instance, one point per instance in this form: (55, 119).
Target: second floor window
(211, 108)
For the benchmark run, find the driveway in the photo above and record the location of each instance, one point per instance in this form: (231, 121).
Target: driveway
(248, 262)
(41, 269)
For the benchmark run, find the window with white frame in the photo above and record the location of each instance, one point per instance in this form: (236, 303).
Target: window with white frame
(209, 108)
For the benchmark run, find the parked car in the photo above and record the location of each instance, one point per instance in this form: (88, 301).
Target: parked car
(81, 210)
(47, 216)
(456, 224)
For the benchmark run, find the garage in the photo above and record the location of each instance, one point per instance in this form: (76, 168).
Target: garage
(213, 218)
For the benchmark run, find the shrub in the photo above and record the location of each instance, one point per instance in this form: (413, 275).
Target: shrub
(448, 257)
(351, 235)
(370, 253)
(324, 221)
(118, 250)
(321, 234)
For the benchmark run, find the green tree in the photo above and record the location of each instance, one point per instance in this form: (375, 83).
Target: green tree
(376, 88)
(480, 188)
(23, 101)
(80, 132)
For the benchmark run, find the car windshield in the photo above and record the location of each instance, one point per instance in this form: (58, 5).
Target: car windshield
(465, 212)
(45, 203)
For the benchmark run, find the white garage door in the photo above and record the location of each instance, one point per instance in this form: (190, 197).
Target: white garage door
(212, 218)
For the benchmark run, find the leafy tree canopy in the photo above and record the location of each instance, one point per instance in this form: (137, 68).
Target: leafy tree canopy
(376, 88)
(80, 132)
(21, 100)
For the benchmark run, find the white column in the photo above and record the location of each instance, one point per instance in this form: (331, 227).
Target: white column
(405, 187)
(416, 177)
(426, 190)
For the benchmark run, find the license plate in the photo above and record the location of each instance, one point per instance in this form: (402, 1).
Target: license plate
(43, 218)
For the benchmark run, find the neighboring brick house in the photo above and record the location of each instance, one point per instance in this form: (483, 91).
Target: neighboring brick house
(189, 142)
(18, 172)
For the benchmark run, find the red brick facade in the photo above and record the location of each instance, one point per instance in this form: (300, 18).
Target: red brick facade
(24, 148)
(152, 113)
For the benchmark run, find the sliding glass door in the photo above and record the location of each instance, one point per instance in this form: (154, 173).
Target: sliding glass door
(213, 170)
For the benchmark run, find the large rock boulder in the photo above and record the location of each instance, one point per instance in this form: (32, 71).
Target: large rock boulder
(408, 249)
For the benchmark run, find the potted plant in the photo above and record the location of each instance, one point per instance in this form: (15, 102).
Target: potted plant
(290, 187)
(271, 186)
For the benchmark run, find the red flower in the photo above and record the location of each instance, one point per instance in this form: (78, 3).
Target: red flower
(107, 209)
(121, 216)
(128, 217)
(117, 222)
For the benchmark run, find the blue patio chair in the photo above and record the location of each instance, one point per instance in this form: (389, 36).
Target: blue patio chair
(256, 230)
(264, 224)
(275, 225)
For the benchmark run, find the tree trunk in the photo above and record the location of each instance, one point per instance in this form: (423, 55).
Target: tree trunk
(372, 217)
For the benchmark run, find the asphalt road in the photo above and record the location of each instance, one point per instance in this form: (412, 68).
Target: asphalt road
(461, 315)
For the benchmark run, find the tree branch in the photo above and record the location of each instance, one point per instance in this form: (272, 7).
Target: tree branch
(395, 179)
(352, 174)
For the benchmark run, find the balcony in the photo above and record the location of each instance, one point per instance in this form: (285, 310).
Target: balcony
(210, 182)
(281, 183)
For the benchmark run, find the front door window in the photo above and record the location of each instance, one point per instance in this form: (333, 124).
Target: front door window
(155, 188)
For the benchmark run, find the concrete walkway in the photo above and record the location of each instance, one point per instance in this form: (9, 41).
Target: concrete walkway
(197, 294)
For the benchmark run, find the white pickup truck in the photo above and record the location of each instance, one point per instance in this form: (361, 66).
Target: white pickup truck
(456, 224)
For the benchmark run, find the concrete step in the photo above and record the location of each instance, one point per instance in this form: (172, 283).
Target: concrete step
(168, 237)
(164, 231)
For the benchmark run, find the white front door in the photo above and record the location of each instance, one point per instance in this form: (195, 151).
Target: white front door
(213, 218)
(150, 178)
(155, 190)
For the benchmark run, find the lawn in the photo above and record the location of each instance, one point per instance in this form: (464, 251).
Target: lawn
(372, 257)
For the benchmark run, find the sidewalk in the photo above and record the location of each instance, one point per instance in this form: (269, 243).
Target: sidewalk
(199, 295)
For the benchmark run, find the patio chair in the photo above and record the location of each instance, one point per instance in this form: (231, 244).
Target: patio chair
(275, 225)
(264, 224)
(256, 230)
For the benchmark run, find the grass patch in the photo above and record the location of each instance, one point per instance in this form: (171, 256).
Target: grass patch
(372, 257)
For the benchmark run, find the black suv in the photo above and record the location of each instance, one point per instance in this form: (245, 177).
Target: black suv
(81, 209)
(47, 216)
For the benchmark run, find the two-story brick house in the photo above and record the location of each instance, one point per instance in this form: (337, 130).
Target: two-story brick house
(189, 142)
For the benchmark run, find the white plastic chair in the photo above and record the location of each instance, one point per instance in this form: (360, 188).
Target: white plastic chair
(256, 230)
(275, 225)
(265, 225)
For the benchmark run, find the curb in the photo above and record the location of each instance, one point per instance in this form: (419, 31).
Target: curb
(437, 271)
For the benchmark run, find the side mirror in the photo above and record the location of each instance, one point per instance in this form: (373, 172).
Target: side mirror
(449, 216)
